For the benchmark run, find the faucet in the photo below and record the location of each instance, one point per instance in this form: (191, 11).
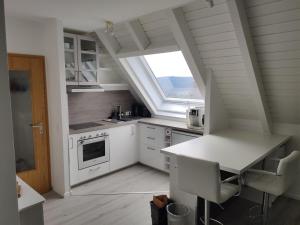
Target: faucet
(119, 111)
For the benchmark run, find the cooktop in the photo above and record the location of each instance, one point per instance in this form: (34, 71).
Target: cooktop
(80, 126)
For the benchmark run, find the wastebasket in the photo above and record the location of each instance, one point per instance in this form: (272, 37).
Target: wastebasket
(177, 214)
(158, 209)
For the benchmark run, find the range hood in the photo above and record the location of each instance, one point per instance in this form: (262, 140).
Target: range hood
(84, 88)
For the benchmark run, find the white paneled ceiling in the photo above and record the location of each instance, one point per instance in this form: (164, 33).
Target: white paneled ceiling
(157, 28)
(216, 39)
(87, 15)
(275, 28)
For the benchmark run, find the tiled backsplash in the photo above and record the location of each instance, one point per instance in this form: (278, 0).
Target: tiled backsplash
(86, 107)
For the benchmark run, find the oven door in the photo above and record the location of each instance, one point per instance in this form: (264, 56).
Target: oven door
(92, 152)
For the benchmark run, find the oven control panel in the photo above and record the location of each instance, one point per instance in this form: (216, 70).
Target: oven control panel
(94, 135)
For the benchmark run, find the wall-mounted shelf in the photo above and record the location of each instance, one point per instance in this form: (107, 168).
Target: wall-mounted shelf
(115, 87)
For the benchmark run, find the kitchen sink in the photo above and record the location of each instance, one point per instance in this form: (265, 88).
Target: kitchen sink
(113, 121)
(122, 120)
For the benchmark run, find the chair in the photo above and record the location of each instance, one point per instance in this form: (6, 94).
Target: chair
(202, 178)
(274, 183)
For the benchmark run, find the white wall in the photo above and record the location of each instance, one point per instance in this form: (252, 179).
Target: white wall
(8, 198)
(216, 117)
(24, 36)
(57, 106)
(45, 37)
(276, 36)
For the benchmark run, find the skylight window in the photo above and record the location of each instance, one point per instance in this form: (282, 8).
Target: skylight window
(173, 75)
(165, 82)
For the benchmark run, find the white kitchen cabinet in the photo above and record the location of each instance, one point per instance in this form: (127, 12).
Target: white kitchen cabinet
(71, 62)
(123, 146)
(152, 140)
(81, 60)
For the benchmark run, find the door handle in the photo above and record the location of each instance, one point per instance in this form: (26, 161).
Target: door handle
(38, 125)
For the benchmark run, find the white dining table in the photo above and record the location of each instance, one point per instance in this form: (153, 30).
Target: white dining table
(235, 150)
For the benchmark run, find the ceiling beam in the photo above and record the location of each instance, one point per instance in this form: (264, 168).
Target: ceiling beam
(187, 45)
(150, 50)
(242, 30)
(109, 41)
(112, 48)
(138, 34)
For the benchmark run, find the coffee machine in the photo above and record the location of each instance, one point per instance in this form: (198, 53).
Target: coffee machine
(195, 117)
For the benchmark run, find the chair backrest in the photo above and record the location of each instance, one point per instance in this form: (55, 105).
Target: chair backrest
(288, 168)
(199, 177)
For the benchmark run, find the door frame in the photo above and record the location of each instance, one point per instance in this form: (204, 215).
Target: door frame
(46, 125)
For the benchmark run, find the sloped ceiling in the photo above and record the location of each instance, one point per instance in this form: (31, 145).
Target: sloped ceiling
(216, 40)
(275, 30)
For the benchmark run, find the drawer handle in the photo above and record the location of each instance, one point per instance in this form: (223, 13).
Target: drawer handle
(149, 148)
(94, 170)
(152, 128)
(151, 138)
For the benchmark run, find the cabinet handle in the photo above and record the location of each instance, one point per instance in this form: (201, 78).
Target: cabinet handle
(149, 148)
(93, 170)
(151, 138)
(152, 128)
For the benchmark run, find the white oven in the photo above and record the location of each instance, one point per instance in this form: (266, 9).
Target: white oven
(92, 151)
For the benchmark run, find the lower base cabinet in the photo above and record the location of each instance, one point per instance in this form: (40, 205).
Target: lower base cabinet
(128, 144)
(123, 146)
(123, 151)
(152, 140)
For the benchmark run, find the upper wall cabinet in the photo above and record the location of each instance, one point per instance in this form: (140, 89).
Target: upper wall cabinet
(81, 60)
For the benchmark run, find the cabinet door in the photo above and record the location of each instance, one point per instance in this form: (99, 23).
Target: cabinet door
(88, 60)
(123, 146)
(71, 65)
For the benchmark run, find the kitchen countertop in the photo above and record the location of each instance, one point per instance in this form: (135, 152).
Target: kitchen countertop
(172, 124)
(154, 121)
(29, 197)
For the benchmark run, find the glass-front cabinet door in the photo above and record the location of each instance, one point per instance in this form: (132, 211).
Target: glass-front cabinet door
(88, 60)
(71, 65)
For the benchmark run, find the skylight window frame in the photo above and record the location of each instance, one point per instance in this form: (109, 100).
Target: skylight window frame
(158, 87)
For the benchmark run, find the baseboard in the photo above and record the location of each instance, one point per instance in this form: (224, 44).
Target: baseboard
(67, 194)
(293, 196)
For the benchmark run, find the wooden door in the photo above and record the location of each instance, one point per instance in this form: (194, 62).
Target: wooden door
(30, 119)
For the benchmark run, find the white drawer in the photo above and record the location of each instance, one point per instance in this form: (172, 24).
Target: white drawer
(149, 130)
(90, 173)
(151, 156)
(148, 154)
(150, 140)
(152, 135)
